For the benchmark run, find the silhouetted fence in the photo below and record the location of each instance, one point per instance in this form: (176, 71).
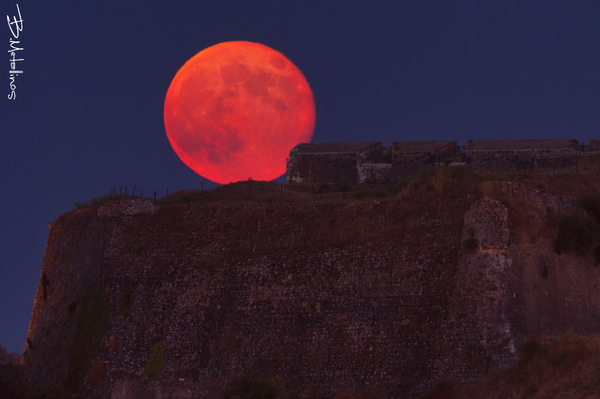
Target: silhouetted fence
(137, 192)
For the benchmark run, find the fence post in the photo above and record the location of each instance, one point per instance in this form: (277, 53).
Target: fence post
(141, 194)
(133, 193)
(120, 191)
(155, 196)
(125, 191)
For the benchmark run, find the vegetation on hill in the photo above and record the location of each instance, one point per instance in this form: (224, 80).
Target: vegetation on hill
(428, 184)
(91, 325)
(8, 358)
(562, 366)
(154, 367)
(341, 209)
(249, 388)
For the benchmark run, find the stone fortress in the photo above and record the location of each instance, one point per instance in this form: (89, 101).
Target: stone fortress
(371, 162)
(376, 298)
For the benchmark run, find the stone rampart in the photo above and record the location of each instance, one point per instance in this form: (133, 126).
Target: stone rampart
(377, 296)
(409, 158)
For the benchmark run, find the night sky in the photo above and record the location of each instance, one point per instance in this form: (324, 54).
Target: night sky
(88, 113)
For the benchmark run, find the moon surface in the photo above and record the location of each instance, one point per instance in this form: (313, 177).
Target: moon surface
(236, 109)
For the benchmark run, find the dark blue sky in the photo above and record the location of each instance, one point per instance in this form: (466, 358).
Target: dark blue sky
(88, 114)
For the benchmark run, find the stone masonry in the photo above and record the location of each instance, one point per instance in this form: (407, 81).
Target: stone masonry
(373, 296)
(372, 163)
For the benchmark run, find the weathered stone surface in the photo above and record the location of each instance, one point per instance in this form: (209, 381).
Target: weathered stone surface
(128, 207)
(487, 222)
(321, 162)
(392, 303)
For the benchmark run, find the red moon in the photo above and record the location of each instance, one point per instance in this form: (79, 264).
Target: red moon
(236, 109)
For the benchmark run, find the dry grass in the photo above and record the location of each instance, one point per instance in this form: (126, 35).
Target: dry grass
(334, 216)
(564, 366)
(582, 185)
(315, 216)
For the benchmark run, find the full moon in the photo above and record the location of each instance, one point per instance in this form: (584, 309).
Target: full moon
(236, 109)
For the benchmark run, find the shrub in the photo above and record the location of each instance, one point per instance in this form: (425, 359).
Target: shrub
(362, 193)
(92, 320)
(458, 172)
(442, 390)
(10, 358)
(532, 349)
(371, 394)
(154, 366)
(248, 388)
(323, 187)
(440, 179)
(592, 206)
(97, 374)
(380, 194)
(53, 390)
(126, 302)
(575, 232)
(342, 187)
(470, 244)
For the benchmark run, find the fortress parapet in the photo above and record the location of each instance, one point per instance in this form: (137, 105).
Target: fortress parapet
(329, 162)
(371, 162)
(519, 154)
(410, 157)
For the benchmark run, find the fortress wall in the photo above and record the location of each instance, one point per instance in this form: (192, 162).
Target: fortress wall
(385, 300)
(448, 152)
(536, 161)
(330, 167)
(499, 160)
(409, 164)
(72, 264)
(373, 152)
(379, 173)
(515, 159)
(585, 163)
(334, 168)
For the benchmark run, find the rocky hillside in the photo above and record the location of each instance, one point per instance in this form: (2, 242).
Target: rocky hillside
(367, 290)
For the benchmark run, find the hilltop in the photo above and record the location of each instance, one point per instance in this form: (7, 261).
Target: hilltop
(359, 289)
